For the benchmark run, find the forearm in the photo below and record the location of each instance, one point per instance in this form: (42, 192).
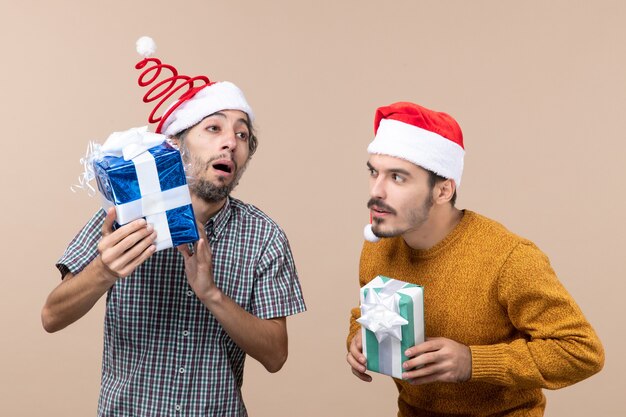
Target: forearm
(555, 345)
(544, 363)
(264, 340)
(75, 296)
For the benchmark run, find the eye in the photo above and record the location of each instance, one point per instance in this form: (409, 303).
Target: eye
(397, 178)
(213, 128)
(372, 172)
(243, 135)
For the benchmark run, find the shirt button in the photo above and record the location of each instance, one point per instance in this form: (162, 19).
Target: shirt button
(189, 293)
(177, 407)
(185, 333)
(181, 370)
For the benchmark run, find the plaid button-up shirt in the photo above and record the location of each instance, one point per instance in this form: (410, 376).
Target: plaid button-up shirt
(164, 352)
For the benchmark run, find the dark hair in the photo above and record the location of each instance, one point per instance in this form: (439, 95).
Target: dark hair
(433, 179)
(253, 142)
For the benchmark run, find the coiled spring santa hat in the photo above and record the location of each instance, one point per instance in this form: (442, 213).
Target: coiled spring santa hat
(430, 139)
(200, 97)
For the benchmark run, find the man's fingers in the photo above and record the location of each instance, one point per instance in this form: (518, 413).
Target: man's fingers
(430, 345)
(358, 341)
(111, 238)
(423, 371)
(357, 354)
(421, 360)
(184, 249)
(145, 254)
(201, 230)
(355, 363)
(431, 373)
(127, 236)
(356, 359)
(358, 369)
(134, 249)
(201, 245)
(356, 348)
(107, 226)
(203, 250)
(449, 361)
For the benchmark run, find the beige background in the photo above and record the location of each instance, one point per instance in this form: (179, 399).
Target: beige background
(538, 88)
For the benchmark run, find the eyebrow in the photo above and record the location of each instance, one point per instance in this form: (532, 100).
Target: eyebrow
(392, 170)
(240, 120)
(245, 122)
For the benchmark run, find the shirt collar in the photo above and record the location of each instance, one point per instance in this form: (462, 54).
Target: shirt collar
(216, 224)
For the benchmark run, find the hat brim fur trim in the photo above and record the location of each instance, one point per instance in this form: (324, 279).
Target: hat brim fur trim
(422, 147)
(213, 98)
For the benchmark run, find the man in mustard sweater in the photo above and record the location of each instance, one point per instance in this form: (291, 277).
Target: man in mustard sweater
(499, 324)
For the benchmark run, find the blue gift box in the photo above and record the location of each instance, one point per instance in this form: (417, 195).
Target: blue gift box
(152, 185)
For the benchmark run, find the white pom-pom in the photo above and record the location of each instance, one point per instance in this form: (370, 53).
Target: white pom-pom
(369, 234)
(146, 46)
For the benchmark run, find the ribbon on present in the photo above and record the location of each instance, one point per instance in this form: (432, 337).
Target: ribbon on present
(127, 144)
(134, 145)
(392, 320)
(379, 314)
(130, 143)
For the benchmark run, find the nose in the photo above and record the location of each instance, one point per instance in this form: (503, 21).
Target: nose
(229, 140)
(377, 188)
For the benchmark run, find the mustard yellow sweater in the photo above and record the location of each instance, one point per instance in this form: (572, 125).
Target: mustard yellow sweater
(496, 293)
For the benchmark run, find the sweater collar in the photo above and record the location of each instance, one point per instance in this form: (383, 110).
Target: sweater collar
(459, 229)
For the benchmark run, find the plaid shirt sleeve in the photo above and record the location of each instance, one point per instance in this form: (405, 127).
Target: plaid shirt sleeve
(83, 248)
(277, 291)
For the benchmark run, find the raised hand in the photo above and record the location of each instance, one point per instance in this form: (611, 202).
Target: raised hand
(199, 266)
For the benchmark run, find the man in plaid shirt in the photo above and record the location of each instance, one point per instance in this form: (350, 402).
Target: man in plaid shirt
(180, 322)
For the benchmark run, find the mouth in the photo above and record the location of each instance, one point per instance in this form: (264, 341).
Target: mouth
(377, 211)
(223, 167)
(378, 208)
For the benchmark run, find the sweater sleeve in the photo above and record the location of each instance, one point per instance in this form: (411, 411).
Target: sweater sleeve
(366, 274)
(555, 347)
(354, 326)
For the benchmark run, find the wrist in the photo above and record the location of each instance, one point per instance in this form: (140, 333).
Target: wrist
(105, 273)
(212, 298)
(468, 369)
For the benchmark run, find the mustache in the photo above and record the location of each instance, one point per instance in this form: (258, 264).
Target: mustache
(380, 204)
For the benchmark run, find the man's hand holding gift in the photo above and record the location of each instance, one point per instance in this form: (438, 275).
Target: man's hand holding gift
(438, 359)
(123, 250)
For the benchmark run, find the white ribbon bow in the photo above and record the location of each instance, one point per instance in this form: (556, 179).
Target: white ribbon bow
(379, 315)
(128, 144)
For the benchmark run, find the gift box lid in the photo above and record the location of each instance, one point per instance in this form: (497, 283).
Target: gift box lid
(117, 178)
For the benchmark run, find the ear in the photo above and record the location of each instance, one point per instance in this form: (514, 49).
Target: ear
(444, 191)
(174, 141)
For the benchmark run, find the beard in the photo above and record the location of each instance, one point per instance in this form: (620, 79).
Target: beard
(416, 217)
(205, 189)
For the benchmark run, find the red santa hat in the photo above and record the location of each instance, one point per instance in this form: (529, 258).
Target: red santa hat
(199, 96)
(430, 139)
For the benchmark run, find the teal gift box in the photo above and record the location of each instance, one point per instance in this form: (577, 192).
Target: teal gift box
(392, 320)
